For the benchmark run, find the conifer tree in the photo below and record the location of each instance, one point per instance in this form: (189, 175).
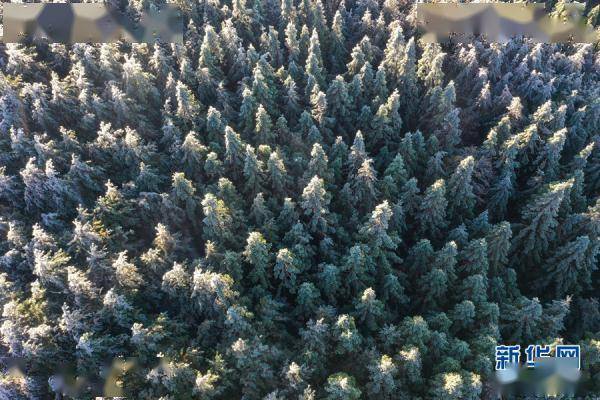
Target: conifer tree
(429, 66)
(233, 148)
(277, 173)
(362, 184)
(315, 204)
(217, 218)
(382, 374)
(187, 105)
(263, 127)
(257, 255)
(286, 269)
(252, 172)
(394, 51)
(318, 164)
(263, 85)
(569, 268)
(314, 62)
(382, 245)
(540, 218)
(432, 209)
(498, 244)
(342, 386)
(338, 43)
(369, 309)
(460, 190)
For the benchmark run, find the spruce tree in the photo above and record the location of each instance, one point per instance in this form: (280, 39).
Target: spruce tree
(432, 209)
(460, 191)
(315, 204)
(540, 220)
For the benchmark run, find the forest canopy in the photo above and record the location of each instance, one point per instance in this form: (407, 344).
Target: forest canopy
(303, 201)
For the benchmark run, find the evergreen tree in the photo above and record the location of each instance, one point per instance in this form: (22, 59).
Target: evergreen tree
(318, 164)
(393, 54)
(314, 62)
(569, 268)
(286, 269)
(540, 217)
(382, 245)
(233, 148)
(432, 209)
(460, 190)
(277, 173)
(252, 172)
(498, 244)
(341, 386)
(382, 373)
(263, 128)
(338, 43)
(369, 310)
(362, 185)
(315, 203)
(217, 218)
(257, 255)
(395, 176)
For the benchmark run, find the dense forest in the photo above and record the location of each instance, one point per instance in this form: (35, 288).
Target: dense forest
(303, 201)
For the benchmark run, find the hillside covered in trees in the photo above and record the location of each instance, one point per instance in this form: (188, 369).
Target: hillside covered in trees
(303, 201)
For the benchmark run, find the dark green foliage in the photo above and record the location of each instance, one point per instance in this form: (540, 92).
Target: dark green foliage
(304, 201)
